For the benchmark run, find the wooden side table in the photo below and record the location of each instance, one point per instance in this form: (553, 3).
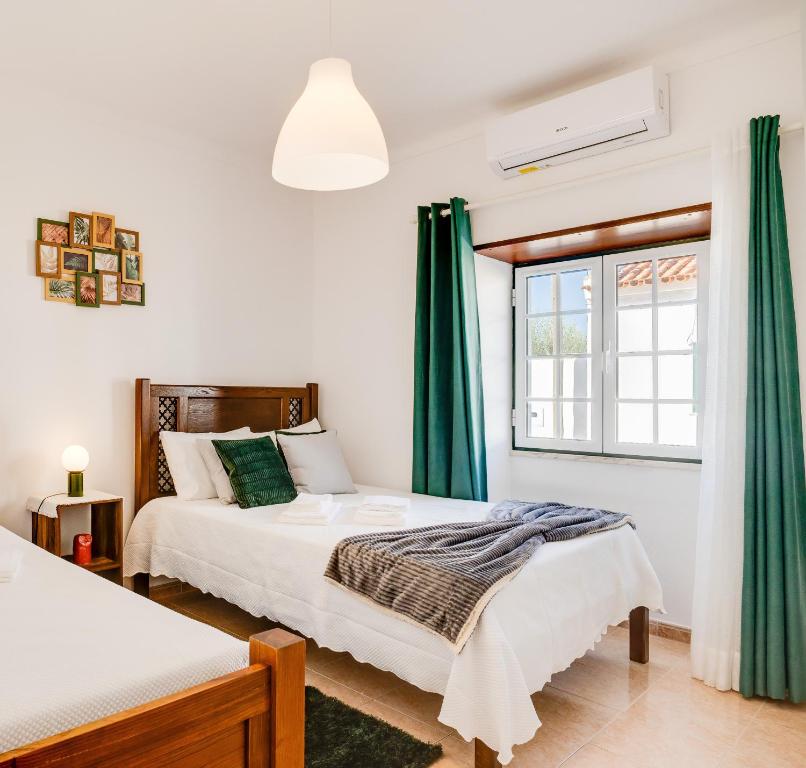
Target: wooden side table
(106, 526)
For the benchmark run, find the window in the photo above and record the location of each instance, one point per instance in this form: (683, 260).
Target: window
(607, 358)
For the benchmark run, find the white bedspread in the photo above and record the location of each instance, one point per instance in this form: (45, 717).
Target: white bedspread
(75, 648)
(551, 613)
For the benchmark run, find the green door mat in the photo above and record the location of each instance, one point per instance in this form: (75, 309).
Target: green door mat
(338, 736)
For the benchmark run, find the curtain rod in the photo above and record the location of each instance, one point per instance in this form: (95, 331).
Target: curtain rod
(501, 199)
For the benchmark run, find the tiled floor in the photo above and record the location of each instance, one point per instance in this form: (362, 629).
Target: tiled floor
(602, 712)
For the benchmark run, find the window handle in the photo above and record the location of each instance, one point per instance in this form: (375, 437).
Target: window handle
(608, 358)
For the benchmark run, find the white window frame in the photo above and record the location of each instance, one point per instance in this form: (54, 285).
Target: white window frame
(609, 331)
(603, 356)
(522, 440)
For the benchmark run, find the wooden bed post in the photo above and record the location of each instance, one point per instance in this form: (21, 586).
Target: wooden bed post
(140, 583)
(485, 757)
(279, 734)
(639, 635)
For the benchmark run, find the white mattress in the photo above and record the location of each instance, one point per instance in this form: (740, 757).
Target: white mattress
(551, 613)
(75, 648)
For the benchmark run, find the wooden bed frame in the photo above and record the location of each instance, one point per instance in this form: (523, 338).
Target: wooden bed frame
(252, 718)
(218, 409)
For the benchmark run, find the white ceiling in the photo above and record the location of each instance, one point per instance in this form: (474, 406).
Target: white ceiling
(229, 70)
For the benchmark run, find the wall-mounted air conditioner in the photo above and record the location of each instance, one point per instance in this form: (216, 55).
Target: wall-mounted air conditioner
(626, 110)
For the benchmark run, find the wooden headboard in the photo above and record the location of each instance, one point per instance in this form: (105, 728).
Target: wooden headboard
(179, 408)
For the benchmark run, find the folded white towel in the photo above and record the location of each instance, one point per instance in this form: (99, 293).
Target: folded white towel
(403, 502)
(305, 499)
(366, 518)
(311, 514)
(9, 563)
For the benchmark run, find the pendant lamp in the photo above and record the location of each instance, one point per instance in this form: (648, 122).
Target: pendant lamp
(331, 138)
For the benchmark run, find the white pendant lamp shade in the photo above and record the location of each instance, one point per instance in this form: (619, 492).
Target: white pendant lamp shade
(331, 138)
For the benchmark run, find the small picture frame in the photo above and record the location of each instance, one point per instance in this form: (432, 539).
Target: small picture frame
(103, 230)
(52, 231)
(131, 266)
(110, 287)
(133, 293)
(80, 230)
(88, 289)
(72, 260)
(61, 289)
(47, 259)
(127, 239)
(105, 261)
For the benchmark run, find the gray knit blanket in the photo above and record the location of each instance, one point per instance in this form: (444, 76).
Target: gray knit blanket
(443, 576)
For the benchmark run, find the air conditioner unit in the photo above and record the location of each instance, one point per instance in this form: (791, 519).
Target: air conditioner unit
(626, 110)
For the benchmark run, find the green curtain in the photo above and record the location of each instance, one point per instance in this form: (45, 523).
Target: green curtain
(773, 648)
(449, 456)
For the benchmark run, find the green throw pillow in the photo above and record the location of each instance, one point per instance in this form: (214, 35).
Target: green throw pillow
(256, 472)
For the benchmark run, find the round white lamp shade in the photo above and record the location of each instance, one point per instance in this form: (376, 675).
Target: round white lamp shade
(75, 458)
(331, 138)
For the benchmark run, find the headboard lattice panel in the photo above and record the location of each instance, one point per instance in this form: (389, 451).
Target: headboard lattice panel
(167, 417)
(168, 407)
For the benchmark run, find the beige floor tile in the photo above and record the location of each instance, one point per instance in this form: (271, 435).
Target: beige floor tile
(458, 750)
(337, 690)
(418, 704)
(320, 658)
(361, 677)
(567, 723)
(783, 713)
(698, 708)
(596, 757)
(670, 738)
(766, 744)
(609, 684)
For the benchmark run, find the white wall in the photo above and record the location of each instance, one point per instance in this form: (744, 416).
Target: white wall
(364, 277)
(227, 254)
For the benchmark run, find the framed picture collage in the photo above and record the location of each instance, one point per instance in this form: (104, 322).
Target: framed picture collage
(87, 261)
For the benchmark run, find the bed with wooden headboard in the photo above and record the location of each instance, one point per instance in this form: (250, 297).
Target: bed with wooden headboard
(182, 408)
(222, 408)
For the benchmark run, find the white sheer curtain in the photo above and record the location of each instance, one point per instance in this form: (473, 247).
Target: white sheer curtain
(718, 576)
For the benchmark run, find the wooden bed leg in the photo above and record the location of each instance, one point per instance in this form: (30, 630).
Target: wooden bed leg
(639, 635)
(141, 583)
(277, 740)
(485, 757)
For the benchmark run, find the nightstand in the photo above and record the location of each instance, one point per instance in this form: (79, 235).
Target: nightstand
(106, 527)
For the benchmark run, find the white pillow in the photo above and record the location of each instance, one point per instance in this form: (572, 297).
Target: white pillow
(316, 462)
(309, 426)
(188, 471)
(216, 469)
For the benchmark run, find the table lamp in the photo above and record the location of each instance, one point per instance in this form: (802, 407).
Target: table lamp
(75, 460)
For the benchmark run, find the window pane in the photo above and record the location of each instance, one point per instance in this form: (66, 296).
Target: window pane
(541, 335)
(635, 330)
(576, 336)
(677, 424)
(677, 279)
(634, 283)
(634, 423)
(540, 418)
(576, 421)
(541, 293)
(575, 290)
(576, 377)
(676, 377)
(635, 377)
(541, 378)
(677, 327)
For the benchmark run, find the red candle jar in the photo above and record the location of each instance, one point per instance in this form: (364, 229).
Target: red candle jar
(82, 548)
